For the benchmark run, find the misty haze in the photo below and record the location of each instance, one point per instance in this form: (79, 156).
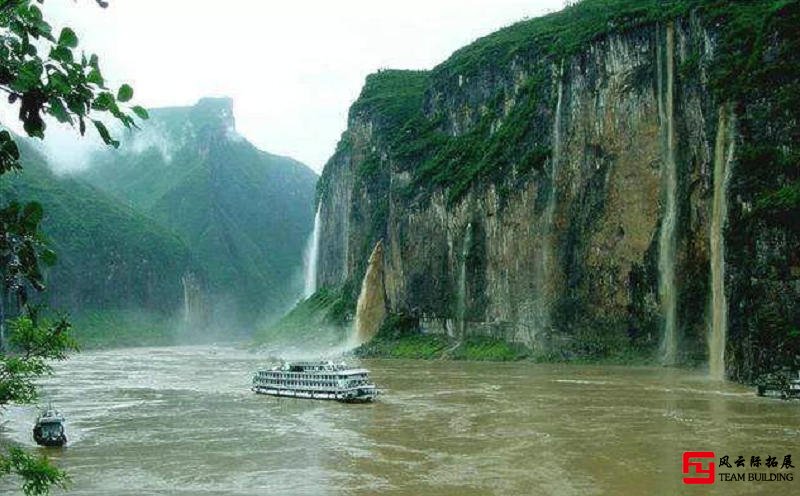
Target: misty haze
(446, 248)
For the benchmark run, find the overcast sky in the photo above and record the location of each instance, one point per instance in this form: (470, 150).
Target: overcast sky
(293, 67)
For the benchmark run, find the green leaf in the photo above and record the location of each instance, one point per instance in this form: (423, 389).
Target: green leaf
(103, 130)
(95, 77)
(35, 13)
(44, 30)
(32, 214)
(68, 38)
(104, 101)
(8, 146)
(29, 76)
(58, 111)
(141, 112)
(9, 153)
(61, 54)
(48, 257)
(58, 82)
(125, 93)
(34, 126)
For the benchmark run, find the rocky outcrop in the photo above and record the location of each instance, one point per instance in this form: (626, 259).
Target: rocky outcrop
(371, 305)
(561, 198)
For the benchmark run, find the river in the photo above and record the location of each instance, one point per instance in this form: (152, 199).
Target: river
(182, 420)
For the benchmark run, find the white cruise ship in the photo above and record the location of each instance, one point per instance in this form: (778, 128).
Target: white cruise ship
(322, 380)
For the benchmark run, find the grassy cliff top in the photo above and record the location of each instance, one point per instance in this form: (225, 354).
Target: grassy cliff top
(561, 33)
(564, 33)
(394, 96)
(747, 66)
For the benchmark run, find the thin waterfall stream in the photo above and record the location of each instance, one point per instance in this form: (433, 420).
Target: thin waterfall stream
(723, 154)
(311, 258)
(667, 239)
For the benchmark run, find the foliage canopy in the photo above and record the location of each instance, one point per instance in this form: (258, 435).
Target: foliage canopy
(43, 74)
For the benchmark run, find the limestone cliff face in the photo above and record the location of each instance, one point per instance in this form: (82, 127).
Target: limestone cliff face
(554, 236)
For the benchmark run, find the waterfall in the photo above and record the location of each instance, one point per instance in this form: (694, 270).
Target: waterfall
(371, 307)
(667, 242)
(550, 210)
(187, 308)
(193, 300)
(310, 258)
(545, 281)
(461, 294)
(723, 155)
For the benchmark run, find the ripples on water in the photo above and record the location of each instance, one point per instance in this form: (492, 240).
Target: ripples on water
(183, 421)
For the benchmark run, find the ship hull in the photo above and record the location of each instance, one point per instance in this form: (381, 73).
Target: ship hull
(51, 443)
(345, 397)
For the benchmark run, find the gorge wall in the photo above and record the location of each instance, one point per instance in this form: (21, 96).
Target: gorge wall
(553, 184)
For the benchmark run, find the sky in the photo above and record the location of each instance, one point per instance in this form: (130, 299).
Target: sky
(292, 67)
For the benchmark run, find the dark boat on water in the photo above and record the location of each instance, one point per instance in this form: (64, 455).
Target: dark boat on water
(784, 384)
(49, 428)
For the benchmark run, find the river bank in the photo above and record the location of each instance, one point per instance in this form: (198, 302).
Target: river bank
(401, 337)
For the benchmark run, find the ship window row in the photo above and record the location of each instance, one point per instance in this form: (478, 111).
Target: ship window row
(326, 384)
(273, 375)
(305, 383)
(306, 378)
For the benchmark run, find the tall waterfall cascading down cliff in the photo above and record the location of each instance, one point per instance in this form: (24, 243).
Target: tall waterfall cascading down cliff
(311, 258)
(461, 293)
(371, 307)
(667, 240)
(545, 271)
(724, 149)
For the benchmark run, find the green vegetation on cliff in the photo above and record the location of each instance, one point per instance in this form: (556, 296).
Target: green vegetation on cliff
(120, 328)
(111, 259)
(393, 96)
(326, 310)
(501, 146)
(401, 337)
(244, 213)
(109, 255)
(766, 219)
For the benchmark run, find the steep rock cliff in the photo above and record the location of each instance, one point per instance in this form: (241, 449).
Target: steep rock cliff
(553, 183)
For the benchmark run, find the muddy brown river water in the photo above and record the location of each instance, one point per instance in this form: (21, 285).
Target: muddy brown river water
(182, 420)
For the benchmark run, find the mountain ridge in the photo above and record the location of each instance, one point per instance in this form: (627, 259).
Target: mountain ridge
(245, 212)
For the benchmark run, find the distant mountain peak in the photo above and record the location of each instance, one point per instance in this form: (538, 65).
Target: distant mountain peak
(244, 213)
(207, 120)
(216, 112)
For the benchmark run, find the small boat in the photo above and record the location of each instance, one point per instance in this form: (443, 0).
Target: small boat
(49, 428)
(323, 380)
(783, 384)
